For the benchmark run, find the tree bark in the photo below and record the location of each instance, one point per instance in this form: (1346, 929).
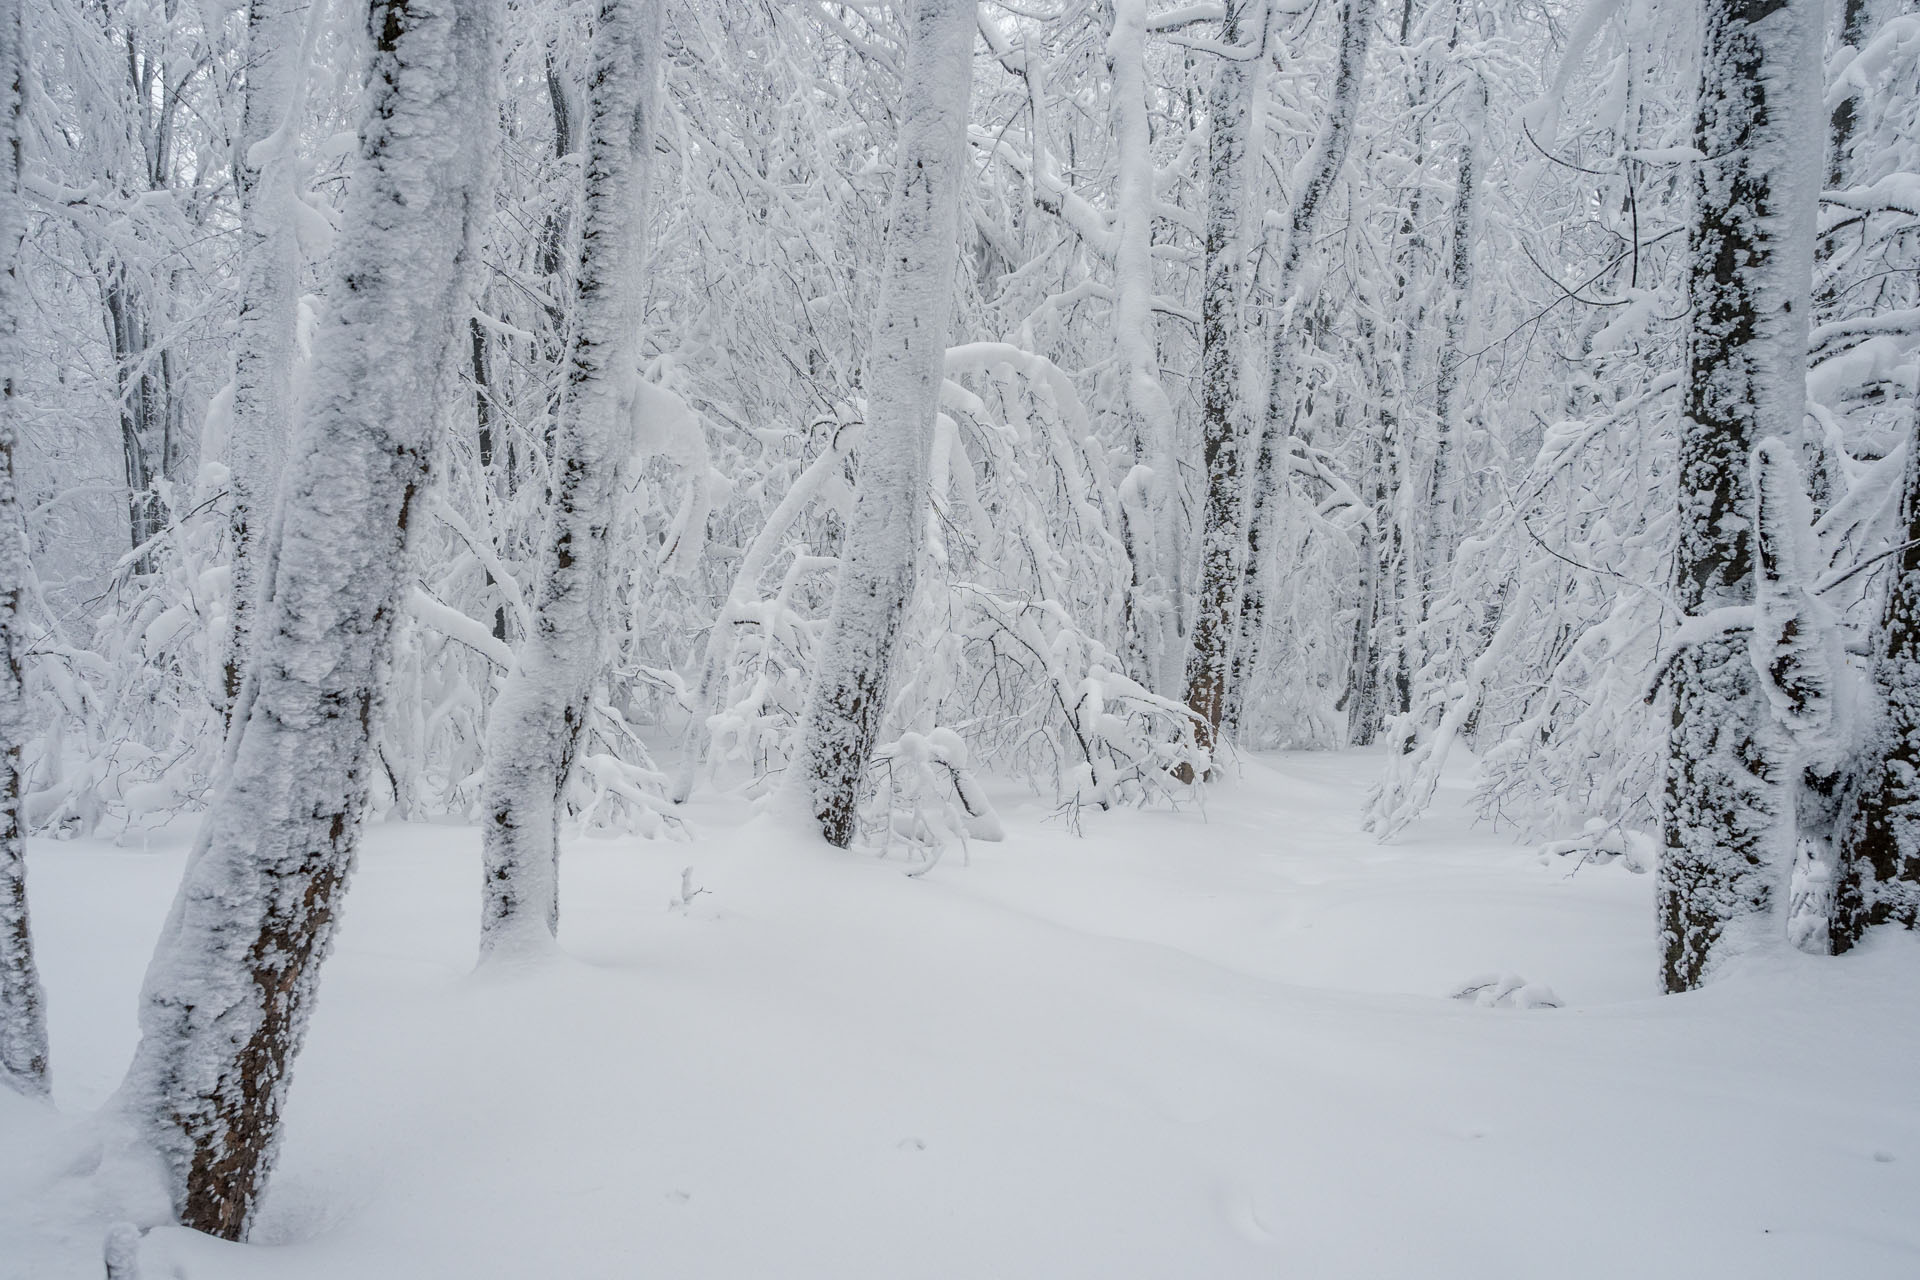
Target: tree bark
(1321, 170)
(229, 991)
(1880, 823)
(1856, 18)
(141, 409)
(1727, 808)
(879, 560)
(535, 726)
(264, 332)
(23, 1019)
(1443, 484)
(1362, 698)
(1223, 411)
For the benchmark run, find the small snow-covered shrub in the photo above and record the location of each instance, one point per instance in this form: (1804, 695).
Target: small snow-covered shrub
(129, 713)
(926, 797)
(1604, 842)
(1066, 712)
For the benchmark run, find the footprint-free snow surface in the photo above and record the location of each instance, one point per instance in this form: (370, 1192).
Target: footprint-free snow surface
(1244, 1041)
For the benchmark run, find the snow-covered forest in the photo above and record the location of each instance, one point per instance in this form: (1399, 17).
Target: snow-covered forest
(959, 638)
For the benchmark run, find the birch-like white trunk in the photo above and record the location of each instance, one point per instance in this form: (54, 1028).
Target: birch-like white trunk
(230, 989)
(1154, 542)
(1727, 815)
(879, 559)
(23, 1018)
(264, 332)
(535, 726)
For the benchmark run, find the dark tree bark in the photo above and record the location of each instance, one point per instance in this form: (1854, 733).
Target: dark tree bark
(1727, 799)
(142, 409)
(1856, 18)
(1880, 823)
(1363, 697)
(1224, 420)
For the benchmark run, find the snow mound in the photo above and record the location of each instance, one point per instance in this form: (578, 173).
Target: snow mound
(1506, 991)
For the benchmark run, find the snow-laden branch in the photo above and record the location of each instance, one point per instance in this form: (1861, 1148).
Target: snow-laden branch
(455, 625)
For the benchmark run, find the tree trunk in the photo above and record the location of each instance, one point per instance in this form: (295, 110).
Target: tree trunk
(535, 726)
(1362, 698)
(1293, 306)
(229, 991)
(1155, 547)
(1727, 808)
(23, 1019)
(1856, 18)
(1222, 331)
(878, 561)
(264, 332)
(1880, 825)
(1443, 484)
(140, 409)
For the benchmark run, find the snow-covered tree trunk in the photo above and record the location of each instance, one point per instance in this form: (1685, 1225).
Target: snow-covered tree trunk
(1363, 697)
(23, 1020)
(264, 333)
(230, 988)
(1728, 830)
(553, 235)
(146, 407)
(1443, 482)
(1154, 610)
(1795, 648)
(136, 288)
(879, 559)
(1880, 824)
(1379, 684)
(1400, 605)
(1222, 336)
(1293, 307)
(1856, 22)
(536, 723)
(1429, 661)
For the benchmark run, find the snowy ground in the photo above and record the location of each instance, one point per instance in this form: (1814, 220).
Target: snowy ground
(1179, 1045)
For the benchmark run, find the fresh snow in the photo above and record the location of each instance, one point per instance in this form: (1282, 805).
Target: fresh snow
(1206, 1043)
